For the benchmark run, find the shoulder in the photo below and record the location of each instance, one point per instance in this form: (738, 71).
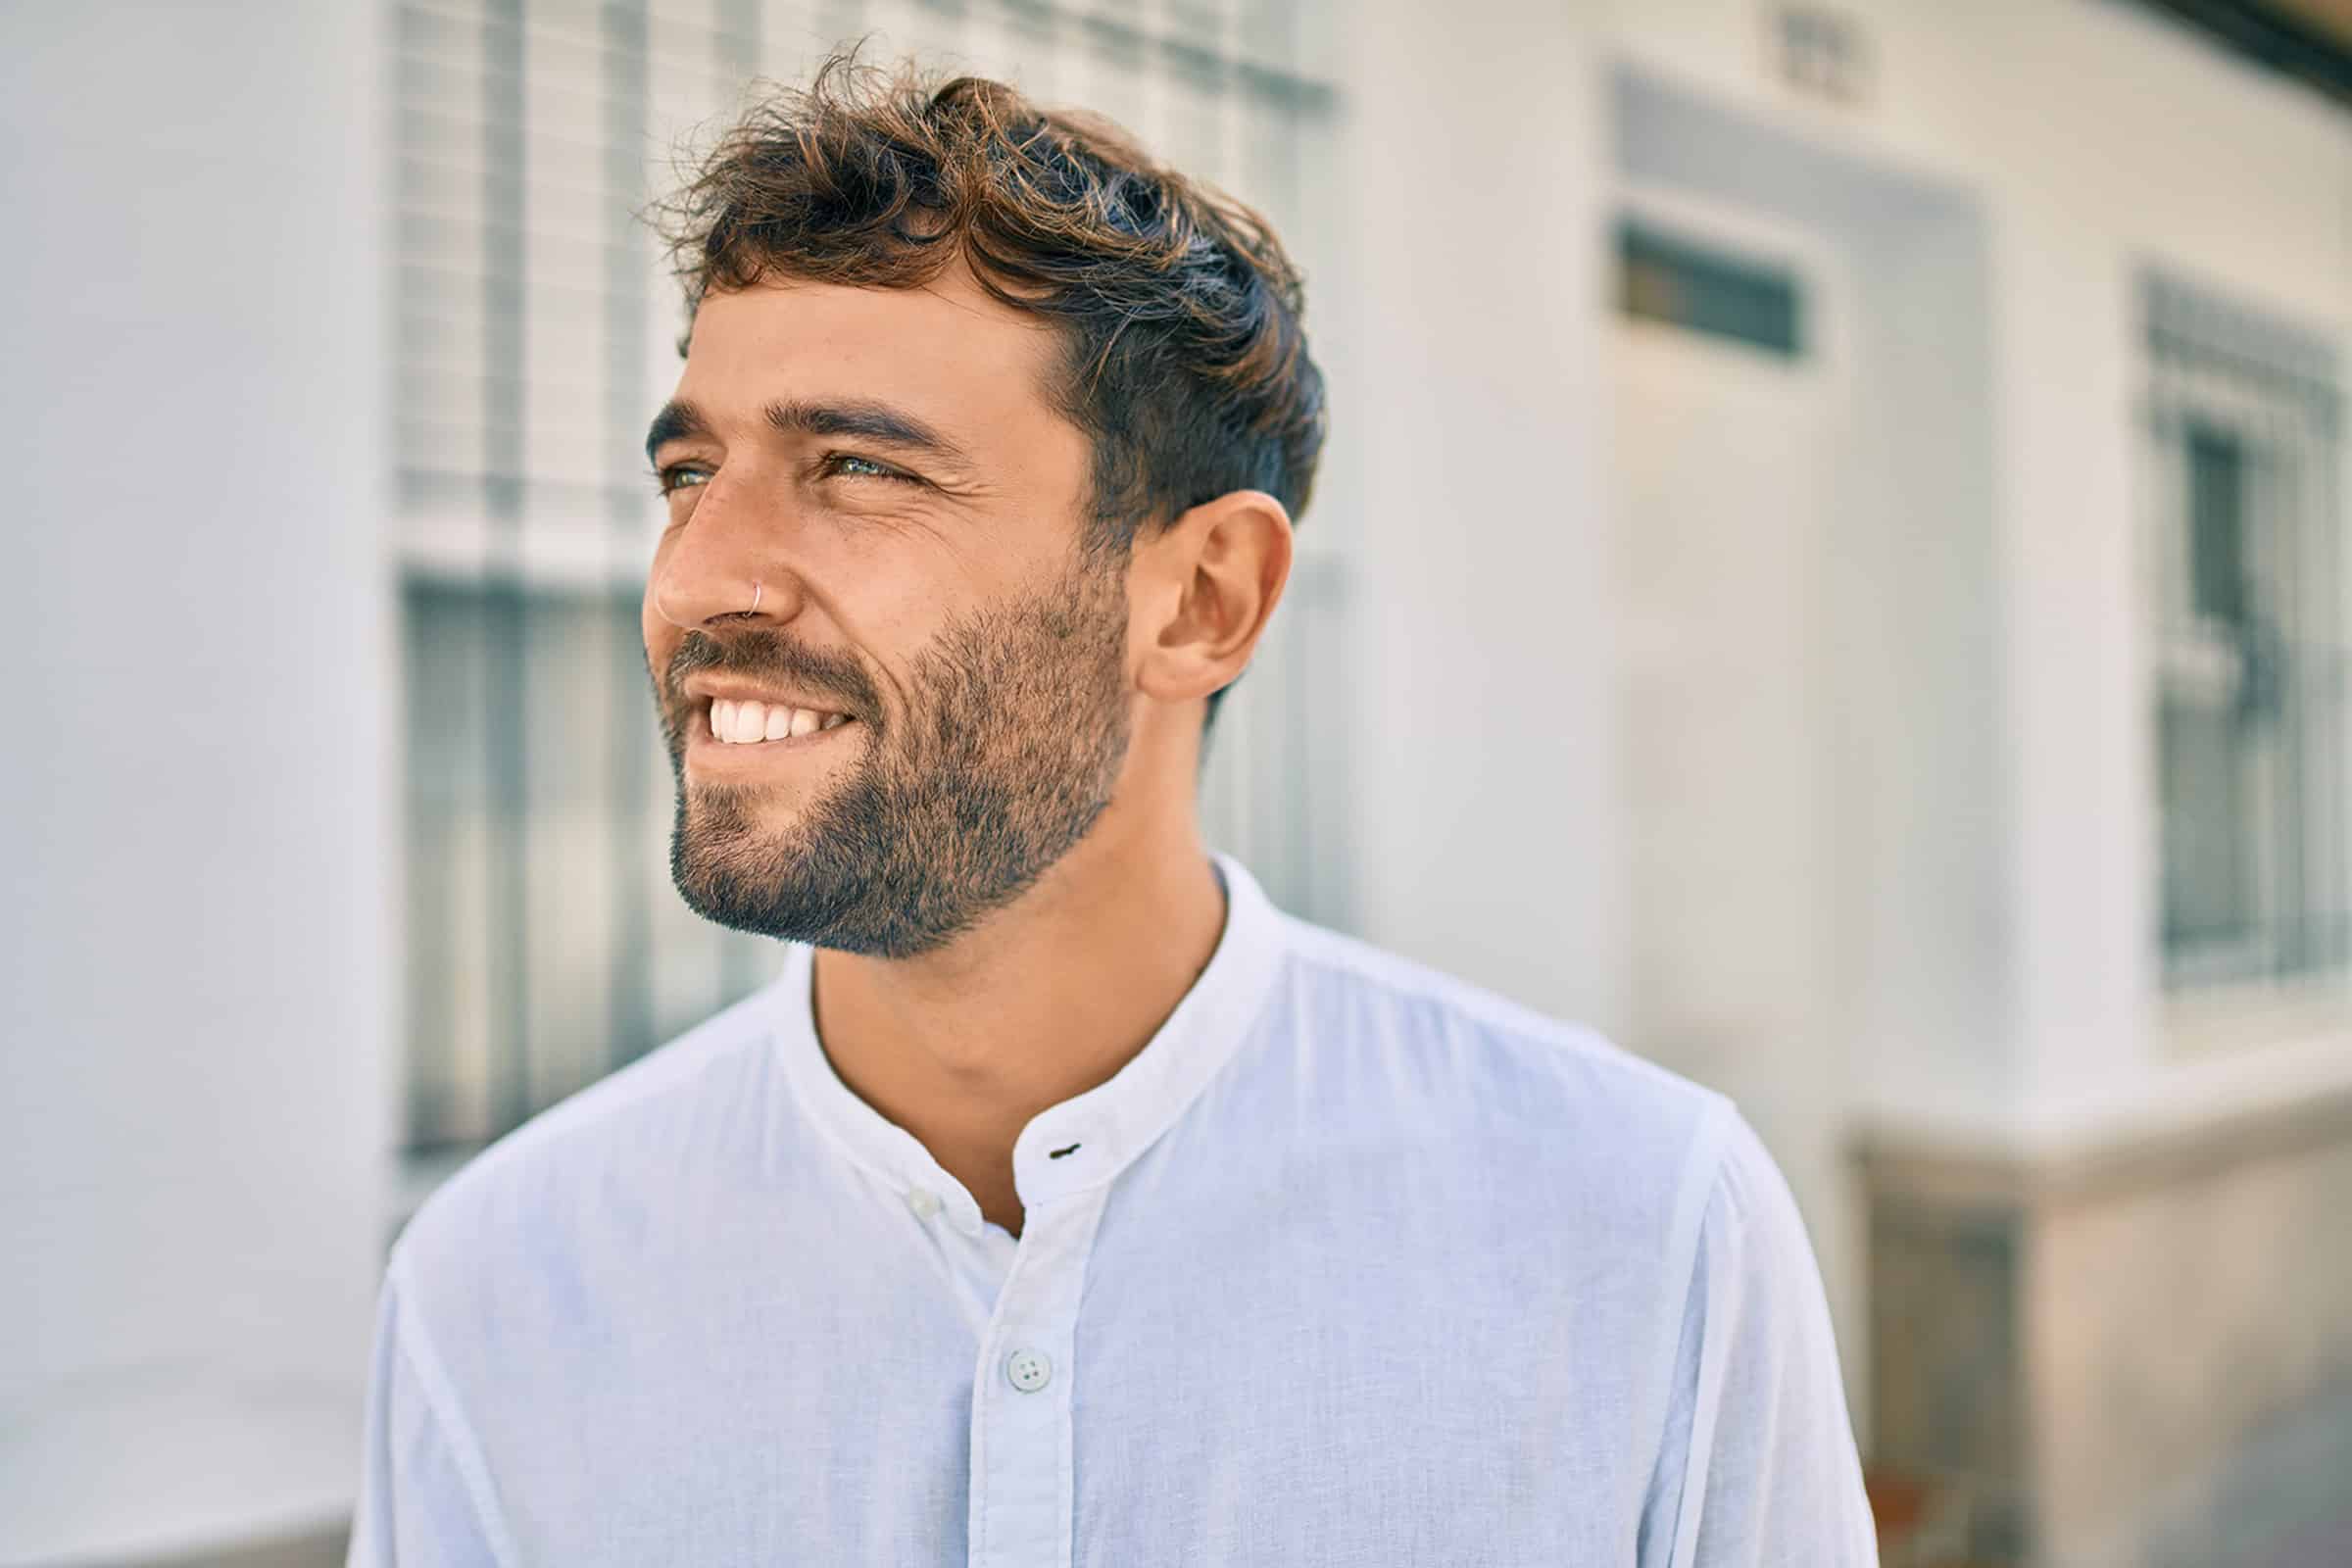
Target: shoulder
(1457, 1063)
(1755, 1451)
(1452, 1034)
(591, 1158)
(1753, 1252)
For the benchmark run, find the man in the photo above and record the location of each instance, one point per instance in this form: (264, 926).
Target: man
(1062, 1202)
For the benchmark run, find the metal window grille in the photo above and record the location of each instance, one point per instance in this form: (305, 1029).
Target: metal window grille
(2244, 418)
(536, 333)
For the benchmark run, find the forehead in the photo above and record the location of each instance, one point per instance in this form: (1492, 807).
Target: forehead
(947, 352)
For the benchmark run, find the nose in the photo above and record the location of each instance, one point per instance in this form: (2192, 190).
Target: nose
(724, 570)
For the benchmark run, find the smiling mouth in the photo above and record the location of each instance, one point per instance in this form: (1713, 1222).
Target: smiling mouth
(733, 722)
(724, 733)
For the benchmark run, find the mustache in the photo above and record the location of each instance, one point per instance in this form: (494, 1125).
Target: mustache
(777, 655)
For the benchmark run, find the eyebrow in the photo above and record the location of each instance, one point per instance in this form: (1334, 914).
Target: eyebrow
(863, 418)
(677, 422)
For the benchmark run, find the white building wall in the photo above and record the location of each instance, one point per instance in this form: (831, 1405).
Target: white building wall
(196, 806)
(1467, 412)
(194, 1092)
(1992, 196)
(2098, 139)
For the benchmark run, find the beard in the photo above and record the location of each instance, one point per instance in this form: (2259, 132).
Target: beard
(1008, 750)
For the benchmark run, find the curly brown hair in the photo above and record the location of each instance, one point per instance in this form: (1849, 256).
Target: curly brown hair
(1185, 360)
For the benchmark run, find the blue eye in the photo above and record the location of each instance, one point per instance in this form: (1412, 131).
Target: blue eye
(681, 476)
(847, 465)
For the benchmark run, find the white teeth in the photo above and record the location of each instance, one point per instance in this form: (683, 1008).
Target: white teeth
(742, 723)
(736, 721)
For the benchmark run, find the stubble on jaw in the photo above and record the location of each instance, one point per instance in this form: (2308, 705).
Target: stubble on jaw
(955, 808)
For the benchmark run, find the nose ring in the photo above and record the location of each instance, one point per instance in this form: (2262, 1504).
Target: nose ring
(754, 610)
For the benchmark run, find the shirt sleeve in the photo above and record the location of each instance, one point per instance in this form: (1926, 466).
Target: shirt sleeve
(421, 1484)
(1756, 1466)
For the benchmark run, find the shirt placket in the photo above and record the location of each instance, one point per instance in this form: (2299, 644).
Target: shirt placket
(1023, 1488)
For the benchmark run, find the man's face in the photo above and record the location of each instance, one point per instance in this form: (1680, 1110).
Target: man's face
(885, 464)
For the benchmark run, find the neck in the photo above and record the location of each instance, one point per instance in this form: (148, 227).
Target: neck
(1044, 1000)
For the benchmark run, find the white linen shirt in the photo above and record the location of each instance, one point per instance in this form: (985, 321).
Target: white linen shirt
(1351, 1265)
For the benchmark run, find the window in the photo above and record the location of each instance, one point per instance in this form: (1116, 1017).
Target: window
(1663, 278)
(535, 335)
(2248, 523)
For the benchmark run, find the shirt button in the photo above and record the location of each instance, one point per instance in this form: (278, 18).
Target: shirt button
(1028, 1370)
(924, 1201)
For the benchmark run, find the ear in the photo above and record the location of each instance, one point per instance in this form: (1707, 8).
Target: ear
(1204, 588)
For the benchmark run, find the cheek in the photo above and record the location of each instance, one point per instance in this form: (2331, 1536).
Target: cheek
(889, 604)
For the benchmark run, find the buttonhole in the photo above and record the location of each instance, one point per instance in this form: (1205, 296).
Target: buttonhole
(1056, 1153)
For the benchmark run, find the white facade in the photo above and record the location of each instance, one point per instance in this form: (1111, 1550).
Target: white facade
(202, 1062)
(2091, 139)
(197, 1076)
(1992, 201)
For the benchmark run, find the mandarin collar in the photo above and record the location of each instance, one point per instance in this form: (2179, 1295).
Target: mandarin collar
(1110, 1124)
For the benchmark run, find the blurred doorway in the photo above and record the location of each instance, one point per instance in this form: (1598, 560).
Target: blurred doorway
(1816, 719)
(1731, 401)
